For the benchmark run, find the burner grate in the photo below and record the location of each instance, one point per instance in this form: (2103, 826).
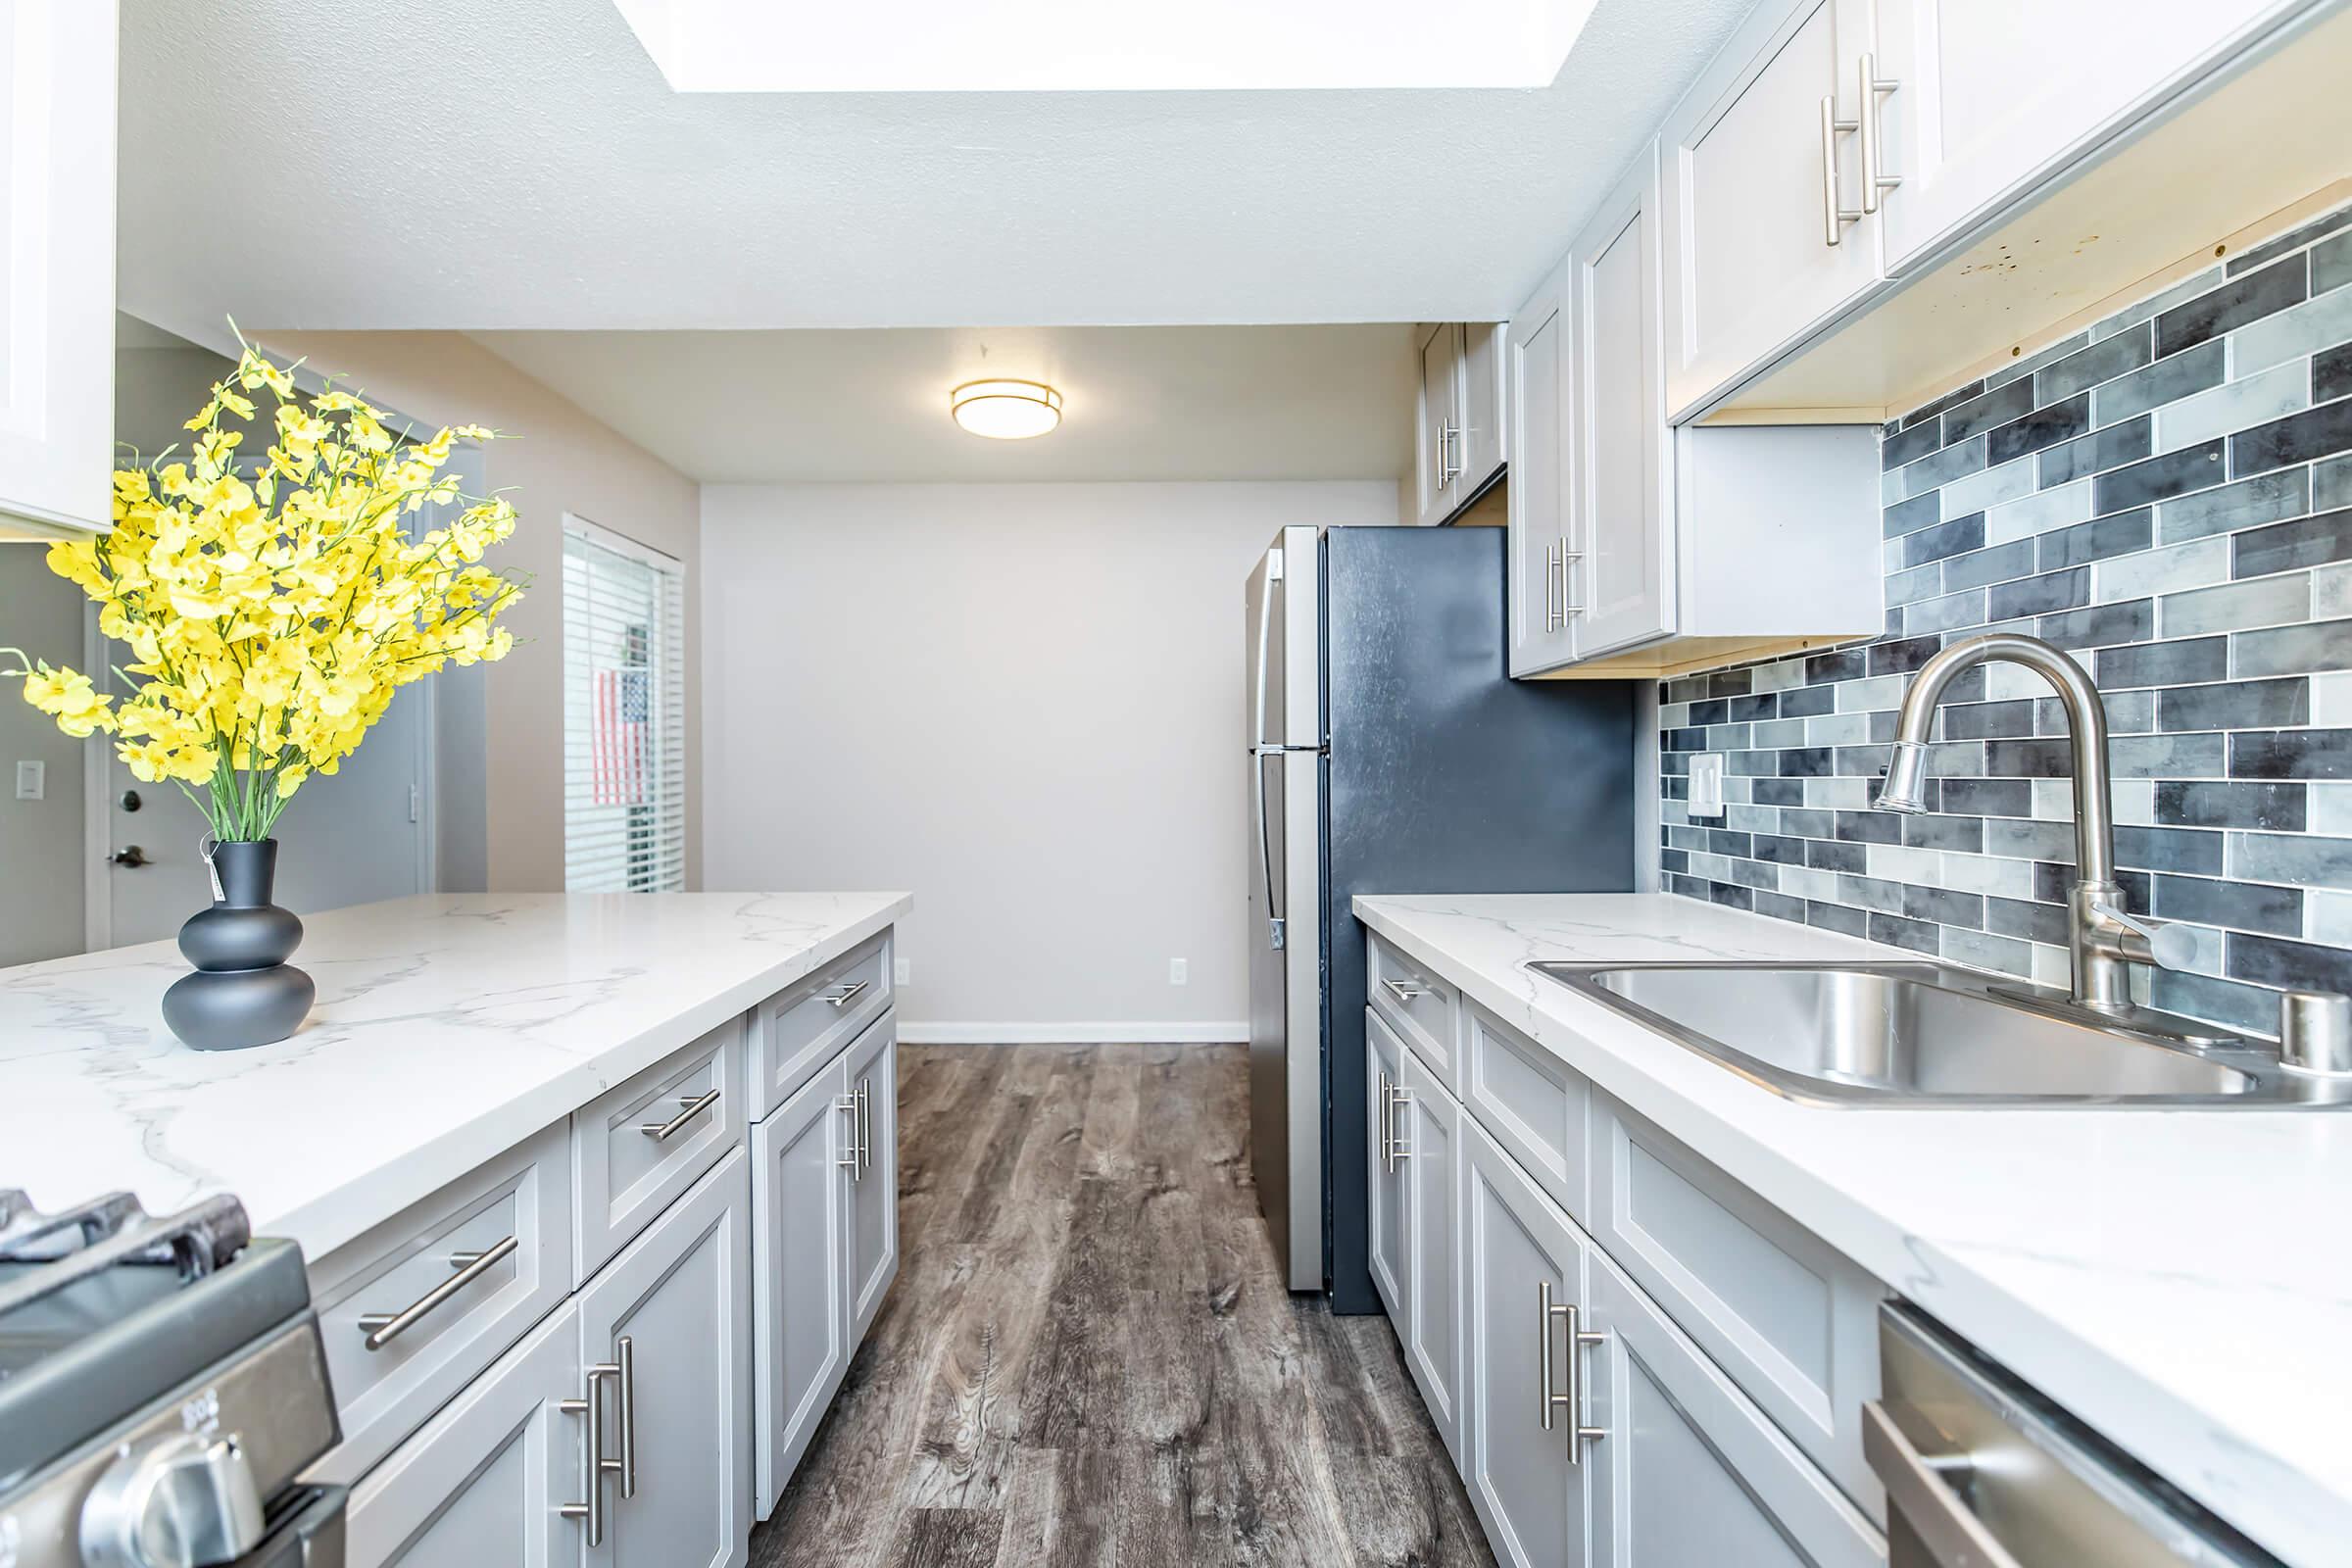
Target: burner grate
(74, 1244)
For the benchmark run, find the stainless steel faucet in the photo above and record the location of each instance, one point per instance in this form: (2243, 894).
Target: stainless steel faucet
(2105, 939)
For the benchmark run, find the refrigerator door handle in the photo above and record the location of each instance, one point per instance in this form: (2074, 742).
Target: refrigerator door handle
(1259, 750)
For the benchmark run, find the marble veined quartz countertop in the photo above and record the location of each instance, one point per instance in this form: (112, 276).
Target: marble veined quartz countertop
(448, 1027)
(2180, 1280)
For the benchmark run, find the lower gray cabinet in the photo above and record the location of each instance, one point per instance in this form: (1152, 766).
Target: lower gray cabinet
(1689, 1470)
(1427, 1123)
(672, 1315)
(1525, 1270)
(1383, 1067)
(481, 1485)
(870, 1073)
(825, 1214)
(802, 1157)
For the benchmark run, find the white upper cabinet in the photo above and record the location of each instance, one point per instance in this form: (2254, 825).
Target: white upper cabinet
(1980, 100)
(1536, 357)
(1620, 572)
(1458, 426)
(1758, 180)
(57, 263)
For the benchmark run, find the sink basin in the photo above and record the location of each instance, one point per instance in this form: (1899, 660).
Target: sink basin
(1922, 1034)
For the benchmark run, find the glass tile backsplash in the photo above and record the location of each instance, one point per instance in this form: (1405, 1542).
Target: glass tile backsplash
(2166, 495)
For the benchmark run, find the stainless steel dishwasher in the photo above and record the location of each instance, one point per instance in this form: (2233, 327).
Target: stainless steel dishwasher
(1982, 1472)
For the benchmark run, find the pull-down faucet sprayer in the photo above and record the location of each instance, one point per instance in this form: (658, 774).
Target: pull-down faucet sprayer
(2105, 939)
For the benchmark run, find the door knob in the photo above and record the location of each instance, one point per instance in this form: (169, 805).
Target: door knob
(132, 855)
(131, 800)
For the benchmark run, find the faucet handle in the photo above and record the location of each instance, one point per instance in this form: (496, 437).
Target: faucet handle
(2161, 943)
(2315, 1033)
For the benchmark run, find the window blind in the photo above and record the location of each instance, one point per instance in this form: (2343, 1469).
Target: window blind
(624, 706)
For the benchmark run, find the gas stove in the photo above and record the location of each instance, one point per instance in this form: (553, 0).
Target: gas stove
(161, 1387)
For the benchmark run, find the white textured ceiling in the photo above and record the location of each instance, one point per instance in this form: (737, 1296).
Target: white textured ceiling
(1139, 402)
(482, 164)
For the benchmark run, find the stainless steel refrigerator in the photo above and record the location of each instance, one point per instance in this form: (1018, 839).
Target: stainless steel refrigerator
(1390, 751)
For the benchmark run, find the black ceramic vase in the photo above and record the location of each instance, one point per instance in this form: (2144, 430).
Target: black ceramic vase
(243, 992)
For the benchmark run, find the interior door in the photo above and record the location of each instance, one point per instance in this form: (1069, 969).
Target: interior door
(673, 1312)
(1621, 581)
(1527, 1482)
(480, 1485)
(1973, 117)
(1384, 1070)
(1429, 1126)
(801, 1253)
(872, 1069)
(1750, 263)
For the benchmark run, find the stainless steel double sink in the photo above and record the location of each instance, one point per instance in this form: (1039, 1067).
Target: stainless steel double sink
(1924, 1033)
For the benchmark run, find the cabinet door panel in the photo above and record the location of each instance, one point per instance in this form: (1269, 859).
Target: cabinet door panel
(1384, 1067)
(1430, 1131)
(1690, 1471)
(1994, 95)
(480, 1484)
(872, 1069)
(1441, 419)
(801, 1266)
(1527, 1494)
(1622, 588)
(1748, 262)
(1536, 357)
(1482, 445)
(680, 1294)
(57, 261)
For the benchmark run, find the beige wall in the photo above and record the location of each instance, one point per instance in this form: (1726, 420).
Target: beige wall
(562, 461)
(40, 841)
(1024, 702)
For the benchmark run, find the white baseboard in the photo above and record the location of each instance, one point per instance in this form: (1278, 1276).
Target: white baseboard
(1066, 1034)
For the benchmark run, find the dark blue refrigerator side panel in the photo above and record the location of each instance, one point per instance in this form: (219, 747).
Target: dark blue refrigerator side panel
(1445, 775)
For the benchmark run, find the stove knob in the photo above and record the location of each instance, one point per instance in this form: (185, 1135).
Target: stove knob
(182, 1500)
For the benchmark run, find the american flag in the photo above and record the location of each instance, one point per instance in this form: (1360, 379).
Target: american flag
(618, 757)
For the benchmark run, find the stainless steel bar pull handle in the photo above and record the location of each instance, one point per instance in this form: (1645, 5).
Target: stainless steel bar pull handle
(1405, 991)
(1576, 1338)
(1553, 571)
(626, 1348)
(841, 997)
(688, 1107)
(848, 1103)
(1834, 217)
(1875, 185)
(1399, 1097)
(598, 1466)
(383, 1328)
(866, 1126)
(1388, 1110)
(1568, 605)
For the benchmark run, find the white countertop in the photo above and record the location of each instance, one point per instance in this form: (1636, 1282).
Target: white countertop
(448, 1028)
(2180, 1280)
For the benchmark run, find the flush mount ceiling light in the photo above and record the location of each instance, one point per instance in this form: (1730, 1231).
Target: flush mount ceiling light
(1088, 46)
(1004, 410)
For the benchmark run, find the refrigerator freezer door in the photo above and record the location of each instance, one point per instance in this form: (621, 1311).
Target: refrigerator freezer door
(1281, 658)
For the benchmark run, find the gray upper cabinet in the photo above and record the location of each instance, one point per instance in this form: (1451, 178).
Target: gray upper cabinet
(1525, 1273)
(1688, 1470)
(673, 1316)
(1536, 355)
(483, 1483)
(800, 1162)
(1459, 438)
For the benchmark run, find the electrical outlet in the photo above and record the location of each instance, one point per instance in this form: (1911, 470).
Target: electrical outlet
(1706, 784)
(33, 781)
(1179, 971)
(903, 973)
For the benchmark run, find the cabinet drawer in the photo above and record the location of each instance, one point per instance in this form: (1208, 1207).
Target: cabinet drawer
(637, 1147)
(1419, 1006)
(1793, 1321)
(505, 1229)
(1535, 1107)
(803, 1026)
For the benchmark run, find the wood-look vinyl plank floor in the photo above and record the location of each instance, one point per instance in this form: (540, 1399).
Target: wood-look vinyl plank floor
(1089, 1359)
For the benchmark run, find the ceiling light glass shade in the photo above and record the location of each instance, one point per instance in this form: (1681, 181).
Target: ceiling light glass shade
(1005, 410)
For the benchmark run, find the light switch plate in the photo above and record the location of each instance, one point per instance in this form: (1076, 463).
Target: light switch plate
(33, 781)
(1179, 972)
(902, 972)
(1706, 784)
